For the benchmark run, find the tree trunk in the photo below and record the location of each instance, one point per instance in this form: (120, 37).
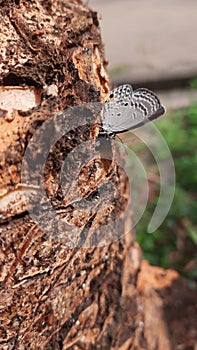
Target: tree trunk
(67, 281)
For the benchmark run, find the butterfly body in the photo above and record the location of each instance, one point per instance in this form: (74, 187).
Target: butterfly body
(125, 109)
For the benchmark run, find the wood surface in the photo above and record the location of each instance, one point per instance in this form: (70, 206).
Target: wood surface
(58, 288)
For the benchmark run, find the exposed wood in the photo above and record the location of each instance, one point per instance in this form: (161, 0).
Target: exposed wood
(54, 294)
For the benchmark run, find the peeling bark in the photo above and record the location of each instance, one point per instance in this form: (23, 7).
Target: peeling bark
(53, 296)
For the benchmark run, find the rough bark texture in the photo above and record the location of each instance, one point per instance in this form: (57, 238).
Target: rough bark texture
(53, 296)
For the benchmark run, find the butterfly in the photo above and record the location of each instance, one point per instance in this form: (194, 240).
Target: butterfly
(126, 109)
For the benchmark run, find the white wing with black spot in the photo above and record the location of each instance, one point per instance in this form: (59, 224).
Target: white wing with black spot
(126, 109)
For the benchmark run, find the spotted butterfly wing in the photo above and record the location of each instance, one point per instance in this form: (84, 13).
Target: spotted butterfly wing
(126, 109)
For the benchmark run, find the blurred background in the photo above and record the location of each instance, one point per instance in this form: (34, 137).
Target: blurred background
(153, 44)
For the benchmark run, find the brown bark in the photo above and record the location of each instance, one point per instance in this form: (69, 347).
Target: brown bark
(53, 296)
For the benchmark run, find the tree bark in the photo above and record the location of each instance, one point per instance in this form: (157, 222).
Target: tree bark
(59, 291)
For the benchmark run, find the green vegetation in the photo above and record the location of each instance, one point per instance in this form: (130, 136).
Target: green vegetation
(118, 70)
(193, 83)
(174, 244)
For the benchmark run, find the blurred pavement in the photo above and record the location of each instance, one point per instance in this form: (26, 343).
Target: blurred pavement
(149, 40)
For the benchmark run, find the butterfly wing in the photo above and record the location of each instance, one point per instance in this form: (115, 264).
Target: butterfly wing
(126, 109)
(121, 94)
(148, 103)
